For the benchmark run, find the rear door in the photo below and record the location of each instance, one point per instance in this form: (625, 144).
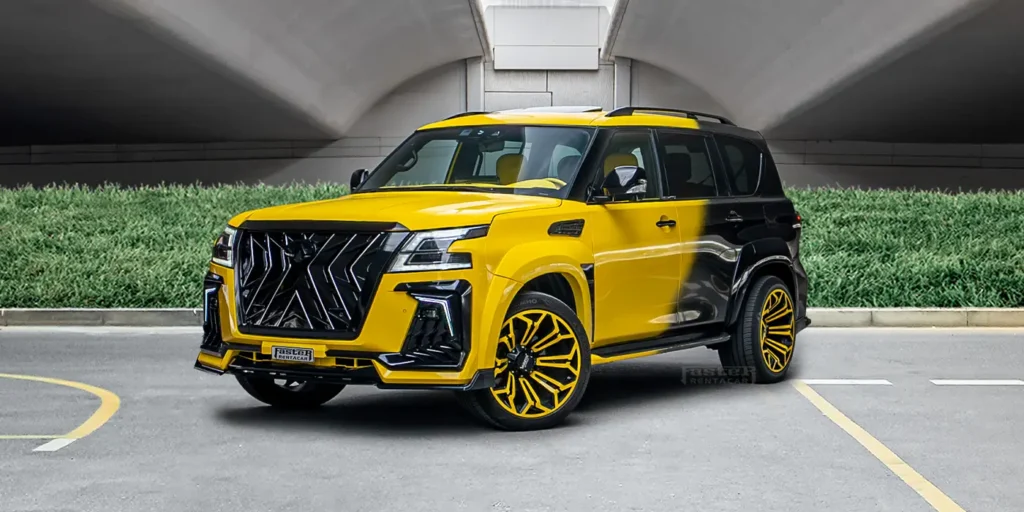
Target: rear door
(693, 188)
(737, 216)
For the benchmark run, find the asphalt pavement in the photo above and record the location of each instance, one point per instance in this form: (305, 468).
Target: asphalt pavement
(643, 438)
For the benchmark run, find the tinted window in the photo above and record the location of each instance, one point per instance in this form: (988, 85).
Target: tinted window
(743, 162)
(632, 147)
(510, 159)
(688, 171)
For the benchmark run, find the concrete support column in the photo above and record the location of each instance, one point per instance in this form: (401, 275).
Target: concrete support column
(475, 84)
(623, 82)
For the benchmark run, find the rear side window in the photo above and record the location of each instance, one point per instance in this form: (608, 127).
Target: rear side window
(743, 164)
(687, 161)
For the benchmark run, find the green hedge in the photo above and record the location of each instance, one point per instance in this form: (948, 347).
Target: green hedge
(114, 247)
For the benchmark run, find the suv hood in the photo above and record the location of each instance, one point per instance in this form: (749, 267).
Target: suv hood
(414, 210)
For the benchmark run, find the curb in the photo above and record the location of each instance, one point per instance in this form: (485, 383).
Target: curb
(102, 317)
(820, 317)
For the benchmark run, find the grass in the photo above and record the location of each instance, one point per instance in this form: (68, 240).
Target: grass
(149, 247)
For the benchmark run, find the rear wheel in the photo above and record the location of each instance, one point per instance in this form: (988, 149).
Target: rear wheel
(541, 367)
(764, 338)
(289, 394)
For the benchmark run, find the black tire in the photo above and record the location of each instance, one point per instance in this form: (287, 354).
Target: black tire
(304, 395)
(490, 406)
(750, 346)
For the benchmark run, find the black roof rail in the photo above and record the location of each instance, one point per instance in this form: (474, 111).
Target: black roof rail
(628, 111)
(470, 113)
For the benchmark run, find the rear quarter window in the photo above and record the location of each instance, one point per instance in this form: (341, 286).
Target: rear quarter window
(743, 164)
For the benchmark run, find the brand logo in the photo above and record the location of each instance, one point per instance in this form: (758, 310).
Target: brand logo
(301, 251)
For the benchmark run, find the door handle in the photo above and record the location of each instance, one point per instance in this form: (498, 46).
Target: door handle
(733, 217)
(666, 223)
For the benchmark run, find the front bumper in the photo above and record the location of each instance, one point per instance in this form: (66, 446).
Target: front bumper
(418, 333)
(482, 379)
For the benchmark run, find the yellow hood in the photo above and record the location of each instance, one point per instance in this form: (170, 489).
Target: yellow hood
(412, 209)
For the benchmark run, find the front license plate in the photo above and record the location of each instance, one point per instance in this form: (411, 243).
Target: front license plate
(302, 355)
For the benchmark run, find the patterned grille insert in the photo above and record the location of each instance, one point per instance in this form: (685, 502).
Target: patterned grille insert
(309, 283)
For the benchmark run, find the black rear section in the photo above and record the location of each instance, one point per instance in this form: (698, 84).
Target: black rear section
(305, 280)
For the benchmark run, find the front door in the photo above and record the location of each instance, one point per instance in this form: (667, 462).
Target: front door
(636, 250)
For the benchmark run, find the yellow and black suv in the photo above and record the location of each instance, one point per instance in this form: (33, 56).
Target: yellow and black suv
(502, 255)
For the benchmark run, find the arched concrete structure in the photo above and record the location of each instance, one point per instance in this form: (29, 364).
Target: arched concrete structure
(771, 62)
(123, 71)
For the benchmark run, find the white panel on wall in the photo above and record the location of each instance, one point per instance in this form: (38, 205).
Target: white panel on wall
(546, 26)
(546, 57)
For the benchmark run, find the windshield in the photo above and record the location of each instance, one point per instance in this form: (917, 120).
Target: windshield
(535, 160)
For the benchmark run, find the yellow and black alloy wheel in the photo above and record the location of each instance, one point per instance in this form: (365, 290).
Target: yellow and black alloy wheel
(764, 337)
(541, 366)
(777, 330)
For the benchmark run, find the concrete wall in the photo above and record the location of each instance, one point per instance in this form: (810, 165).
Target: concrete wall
(433, 95)
(951, 167)
(652, 86)
(520, 89)
(768, 61)
(850, 163)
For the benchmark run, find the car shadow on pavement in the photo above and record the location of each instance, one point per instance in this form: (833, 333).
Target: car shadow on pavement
(381, 413)
(626, 385)
(612, 390)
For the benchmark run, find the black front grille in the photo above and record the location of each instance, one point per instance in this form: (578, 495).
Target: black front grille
(310, 282)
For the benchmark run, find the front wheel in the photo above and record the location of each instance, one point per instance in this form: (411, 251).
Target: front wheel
(541, 367)
(289, 394)
(764, 338)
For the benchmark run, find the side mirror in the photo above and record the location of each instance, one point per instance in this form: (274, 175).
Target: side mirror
(625, 181)
(358, 178)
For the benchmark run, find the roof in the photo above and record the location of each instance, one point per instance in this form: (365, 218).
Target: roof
(554, 118)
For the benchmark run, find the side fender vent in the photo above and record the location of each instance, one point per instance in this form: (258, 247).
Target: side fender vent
(567, 228)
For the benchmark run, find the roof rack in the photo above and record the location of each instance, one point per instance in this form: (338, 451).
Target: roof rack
(470, 113)
(628, 111)
(567, 109)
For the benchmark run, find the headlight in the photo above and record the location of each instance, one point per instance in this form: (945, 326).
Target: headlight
(224, 247)
(428, 250)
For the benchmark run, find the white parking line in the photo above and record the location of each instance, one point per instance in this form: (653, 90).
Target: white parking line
(981, 382)
(54, 445)
(854, 382)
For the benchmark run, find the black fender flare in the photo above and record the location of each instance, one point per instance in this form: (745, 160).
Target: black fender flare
(755, 257)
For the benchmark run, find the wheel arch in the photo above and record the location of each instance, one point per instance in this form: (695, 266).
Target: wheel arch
(554, 267)
(757, 261)
(527, 267)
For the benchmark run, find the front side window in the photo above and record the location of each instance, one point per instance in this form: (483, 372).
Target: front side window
(534, 160)
(633, 148)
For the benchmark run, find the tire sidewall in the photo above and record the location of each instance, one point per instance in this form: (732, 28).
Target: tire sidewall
(502, 418)
(750, 325)
(265, 390)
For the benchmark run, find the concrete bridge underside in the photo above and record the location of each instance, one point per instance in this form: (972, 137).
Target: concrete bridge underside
(936, 71)
(857, 92)
(124, 71)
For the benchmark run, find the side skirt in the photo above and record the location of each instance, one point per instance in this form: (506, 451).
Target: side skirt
(654, 346)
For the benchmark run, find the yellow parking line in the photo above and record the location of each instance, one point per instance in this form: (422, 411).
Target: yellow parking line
(936, 498)
(109, 404)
